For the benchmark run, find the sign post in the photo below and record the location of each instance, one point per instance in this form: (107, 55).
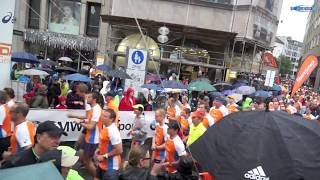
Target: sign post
(6, 26)
(136, 68)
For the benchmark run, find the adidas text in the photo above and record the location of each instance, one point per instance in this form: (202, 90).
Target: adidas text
(255, 177)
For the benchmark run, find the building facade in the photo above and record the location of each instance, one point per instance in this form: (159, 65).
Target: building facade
(207, 37)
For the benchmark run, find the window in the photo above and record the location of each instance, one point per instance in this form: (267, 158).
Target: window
(93, 19)
(34, 10)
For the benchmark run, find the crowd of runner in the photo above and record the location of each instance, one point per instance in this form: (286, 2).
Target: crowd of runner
(178, 124)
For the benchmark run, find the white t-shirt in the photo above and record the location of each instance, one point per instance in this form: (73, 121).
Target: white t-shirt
(23, 134)
(96, 113)
(115, 136)
(2, 114)
(224, 110)
(179, 146)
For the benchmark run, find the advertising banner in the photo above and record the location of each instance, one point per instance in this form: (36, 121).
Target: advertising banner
(60, 116)
(6, 26)
(304, 72)
(64, 17)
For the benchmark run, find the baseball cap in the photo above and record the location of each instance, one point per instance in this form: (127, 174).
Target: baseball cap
(59, 158)
(198, 114)
(50, 127)
(232, 97)
(137, 106)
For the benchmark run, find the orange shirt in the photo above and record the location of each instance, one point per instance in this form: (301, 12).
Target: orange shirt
(232, 108)
(112, 105)
(160, 136)
(184, 124)
(174, 149)
(173, 111)
(5, 123)
(95, 114)
(23, 135)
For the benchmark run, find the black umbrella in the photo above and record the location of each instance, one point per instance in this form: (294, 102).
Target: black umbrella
(48, 63)
(118, 74)
(260, 145)
(65, 69)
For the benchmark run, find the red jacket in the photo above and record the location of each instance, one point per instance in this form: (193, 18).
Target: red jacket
(127, 102)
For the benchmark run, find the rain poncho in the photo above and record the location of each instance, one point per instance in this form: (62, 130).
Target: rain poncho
(246, 104)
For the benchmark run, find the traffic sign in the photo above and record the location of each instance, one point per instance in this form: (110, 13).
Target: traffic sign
(137, 57)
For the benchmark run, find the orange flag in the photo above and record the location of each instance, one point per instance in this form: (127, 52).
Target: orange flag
(304, 72)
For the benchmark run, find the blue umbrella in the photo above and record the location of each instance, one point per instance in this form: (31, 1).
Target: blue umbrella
(152, 86)
(77, 77)
(24, 57)
(104, 67)
(229, 92)
(173, 85)
(238, 84)
(264, 94)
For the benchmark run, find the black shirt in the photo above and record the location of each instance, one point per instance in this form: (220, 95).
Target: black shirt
(26, 157)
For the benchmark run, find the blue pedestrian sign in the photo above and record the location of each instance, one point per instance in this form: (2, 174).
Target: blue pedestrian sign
(137, 57)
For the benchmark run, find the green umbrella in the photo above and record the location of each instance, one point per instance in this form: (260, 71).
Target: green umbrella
(201, 85)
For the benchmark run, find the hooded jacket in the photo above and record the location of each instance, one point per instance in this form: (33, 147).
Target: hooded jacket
(127, 102)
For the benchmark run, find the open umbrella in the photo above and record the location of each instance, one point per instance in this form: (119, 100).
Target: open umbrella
(104, 67)
(238, 84)
(48, 70)
(151, 86)
(201, 85)
(245, 90)
(173, 84)
(215, 94)
(48, 63)
(77, 77)
(66, 59)
(65, 69)
(238, 97)
(260, 145)
(118, 74)
(33, 72)
(37, 171)
(228, 92)
(223, 86)
(263, 94)
(24, 57)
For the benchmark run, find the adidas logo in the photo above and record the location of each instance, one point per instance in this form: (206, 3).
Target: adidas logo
(256, 174)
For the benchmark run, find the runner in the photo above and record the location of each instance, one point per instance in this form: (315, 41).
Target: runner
(174, 148)
(159, 138)
(93, 127)
(139, 130)
(207, 120)
(232, 106)
(197, 128)
(110, 148)
(23, 133)
(218, 110)
(184, 123)
(173, 110)
(5, 124)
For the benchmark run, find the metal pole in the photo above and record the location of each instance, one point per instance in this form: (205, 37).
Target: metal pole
(254, 52)
(242, 58)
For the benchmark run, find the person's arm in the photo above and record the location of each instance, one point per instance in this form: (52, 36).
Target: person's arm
(37, 102)
(142, 131)
(116, 142)
(180, 150)
(89, 126)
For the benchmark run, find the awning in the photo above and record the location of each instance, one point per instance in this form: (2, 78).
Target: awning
(61, 41)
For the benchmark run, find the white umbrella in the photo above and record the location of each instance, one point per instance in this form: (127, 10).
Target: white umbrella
(66, 59)
(33, 72)
(238, 97)
(245, 90)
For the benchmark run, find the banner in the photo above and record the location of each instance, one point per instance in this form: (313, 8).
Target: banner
(6, 26)
(305, 70)
(60, 116)
(64, 17)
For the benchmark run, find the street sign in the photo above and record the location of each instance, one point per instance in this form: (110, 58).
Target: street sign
(137, 59)
(270, 78)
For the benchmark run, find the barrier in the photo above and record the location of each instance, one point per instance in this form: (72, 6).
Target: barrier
(74, 130)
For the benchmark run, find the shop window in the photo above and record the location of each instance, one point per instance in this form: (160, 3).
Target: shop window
(34, 12)
(93, 19)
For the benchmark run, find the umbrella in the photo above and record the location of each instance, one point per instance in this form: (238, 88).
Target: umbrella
(104, 67)
(32, 172)
(77, 77)
(263, 94)
(33, 72)
(224, 86)
(119, 74)
(238, 84)
(201, 85)
(260, 145)
(65, 69)
(277, 88)
(238, 97)
(170, 90)
(48, 63)
(245, 90)
(153, 77)
(173, 85)
(66, 59)
(228, 92)
(48, 70)
(151, 86)
(215, 94)
(24, 57)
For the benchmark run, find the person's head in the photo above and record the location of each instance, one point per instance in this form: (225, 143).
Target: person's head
(138, 109)
(19, 112)
(81, 90)
(173, 128)
(67, 11)
(231, 99)
(185, 165)
(202, 107)
(93, 98)
(138, 157)
(160, 115)
(62, 100)
(171, 102)
(109, 96)
(3, 97)
(184, 100)
(187, 112)
(10, 92)
(218, 102)
(48, 136)
(36, 79)
(206, 101)
(130, 92)
(197, 117)
(109, 116)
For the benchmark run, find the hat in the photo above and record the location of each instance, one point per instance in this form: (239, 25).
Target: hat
(232, 97)
(137, 106)
(59, 158)
(198, 114)
(50, 127)
(173, 125)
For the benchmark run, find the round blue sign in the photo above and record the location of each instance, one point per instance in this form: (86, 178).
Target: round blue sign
(137, 57)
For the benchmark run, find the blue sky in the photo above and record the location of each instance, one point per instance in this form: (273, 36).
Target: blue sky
(293, 23)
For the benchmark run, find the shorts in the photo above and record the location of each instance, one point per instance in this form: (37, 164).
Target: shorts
(89, 149)
(4, 145)
(107, 174)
